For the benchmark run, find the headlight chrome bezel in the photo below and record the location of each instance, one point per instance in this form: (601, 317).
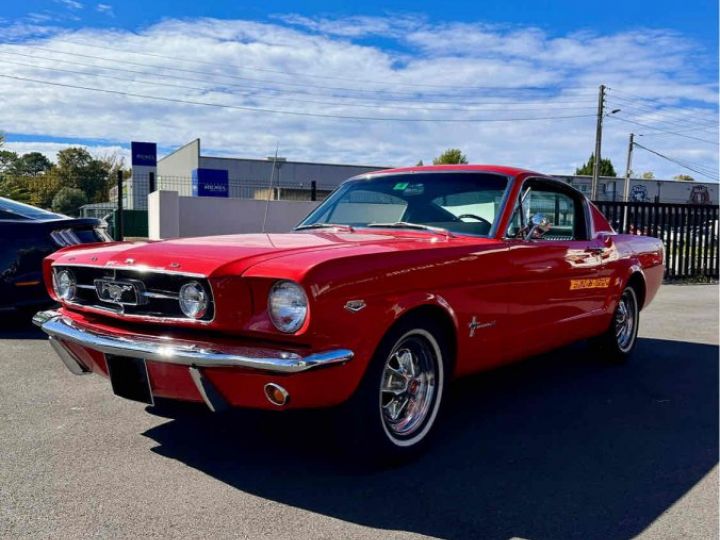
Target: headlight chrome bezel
(193, 307)
(287, 306)
(65, 285)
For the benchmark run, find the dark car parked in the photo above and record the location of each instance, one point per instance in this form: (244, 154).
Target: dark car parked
(28, 235)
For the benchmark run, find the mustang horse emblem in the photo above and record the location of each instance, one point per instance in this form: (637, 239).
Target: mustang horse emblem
(114, 292)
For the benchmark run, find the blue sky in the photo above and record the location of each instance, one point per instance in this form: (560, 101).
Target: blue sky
(405, 60)
(696, 18)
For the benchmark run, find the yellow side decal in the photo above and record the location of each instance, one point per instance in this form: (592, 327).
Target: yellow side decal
(596, 283)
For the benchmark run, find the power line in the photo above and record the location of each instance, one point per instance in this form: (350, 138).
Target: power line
(682, 115)
(615, 117)
(313, 75)
(283, 91)
(293, 113)
(238, 77)
(678, 162)
(657, 118)
(644, 98)
(336, 104)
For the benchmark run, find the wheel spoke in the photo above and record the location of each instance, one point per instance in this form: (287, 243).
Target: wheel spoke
(619, 330)
(393, 382)
(394, 407)
(405, 360)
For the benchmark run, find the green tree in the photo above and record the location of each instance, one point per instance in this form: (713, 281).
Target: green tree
(31, 164)
(450, 156)
(77, 168)
(648, 175)
(419, 163)
(684, 178)
(68, 201)
(606, 167)
(7, 161)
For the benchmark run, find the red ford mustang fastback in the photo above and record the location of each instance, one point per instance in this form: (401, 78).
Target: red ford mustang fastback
(399, 281)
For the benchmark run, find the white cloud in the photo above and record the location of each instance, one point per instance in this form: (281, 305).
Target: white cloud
(70, 4)
(331, 66)
(105, 8)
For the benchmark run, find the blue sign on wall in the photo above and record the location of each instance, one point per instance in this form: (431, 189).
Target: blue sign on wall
(210, 183)
(144, 153)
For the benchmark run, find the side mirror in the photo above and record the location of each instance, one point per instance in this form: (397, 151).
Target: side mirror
(537, 223)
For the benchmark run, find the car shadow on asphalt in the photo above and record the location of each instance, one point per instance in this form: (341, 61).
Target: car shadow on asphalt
(560, 446)
(19, 325)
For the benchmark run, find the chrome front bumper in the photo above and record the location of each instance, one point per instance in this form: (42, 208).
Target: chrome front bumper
(196, 354)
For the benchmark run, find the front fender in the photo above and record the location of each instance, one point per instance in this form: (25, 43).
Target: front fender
(363, 329)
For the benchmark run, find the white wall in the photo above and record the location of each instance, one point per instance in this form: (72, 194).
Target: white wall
(181, 162)
(163, 215)
(171, 216)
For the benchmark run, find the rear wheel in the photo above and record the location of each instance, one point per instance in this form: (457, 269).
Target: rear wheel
(618, 341)
(394, 411)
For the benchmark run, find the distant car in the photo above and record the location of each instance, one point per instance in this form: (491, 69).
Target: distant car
(28, 235)
(397, 282)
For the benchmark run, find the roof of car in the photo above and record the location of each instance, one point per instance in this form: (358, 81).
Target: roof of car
(500, 169)
(26, 211)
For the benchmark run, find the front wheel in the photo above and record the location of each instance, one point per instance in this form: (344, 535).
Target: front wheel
(619, 339)
(396, 406)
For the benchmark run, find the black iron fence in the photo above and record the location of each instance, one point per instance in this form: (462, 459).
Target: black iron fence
(688, 231)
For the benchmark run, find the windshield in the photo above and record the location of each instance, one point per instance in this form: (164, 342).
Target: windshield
(10, 209)
(464, 203)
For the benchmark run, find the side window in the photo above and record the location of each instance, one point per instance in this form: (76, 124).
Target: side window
(563, 211)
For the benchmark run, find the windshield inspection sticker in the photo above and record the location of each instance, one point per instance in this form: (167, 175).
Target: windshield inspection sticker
(401, 186)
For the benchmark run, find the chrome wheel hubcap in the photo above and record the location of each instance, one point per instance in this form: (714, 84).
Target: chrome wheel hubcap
(408, 386)
(625, 320)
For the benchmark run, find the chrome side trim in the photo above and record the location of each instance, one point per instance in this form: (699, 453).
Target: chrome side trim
(184, 352)
(210, 395)
(68, 358)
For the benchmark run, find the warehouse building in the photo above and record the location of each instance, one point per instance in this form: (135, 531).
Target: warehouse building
(190, 173)
(647, 190)
(186, 167)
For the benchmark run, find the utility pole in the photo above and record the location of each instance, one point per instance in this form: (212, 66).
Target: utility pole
(626, 186)
(628, 168)
(598, 143)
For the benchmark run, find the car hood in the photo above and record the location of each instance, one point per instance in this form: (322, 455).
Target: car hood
(233, 254)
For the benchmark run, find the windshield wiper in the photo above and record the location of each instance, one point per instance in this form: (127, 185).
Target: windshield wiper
(409, 225)
(325, 226)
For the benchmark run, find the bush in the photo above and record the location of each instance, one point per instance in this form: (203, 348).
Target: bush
(68, 201)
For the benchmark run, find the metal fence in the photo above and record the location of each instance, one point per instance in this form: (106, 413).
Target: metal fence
(688, 231)
(251, 189)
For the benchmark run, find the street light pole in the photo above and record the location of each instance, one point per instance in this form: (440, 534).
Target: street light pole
(598, 143)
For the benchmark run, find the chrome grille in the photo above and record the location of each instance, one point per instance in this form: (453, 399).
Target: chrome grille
(133, 291)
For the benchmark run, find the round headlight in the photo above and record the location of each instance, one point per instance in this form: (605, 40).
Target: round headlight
(193, 300)
(287, 306)
(65, 285)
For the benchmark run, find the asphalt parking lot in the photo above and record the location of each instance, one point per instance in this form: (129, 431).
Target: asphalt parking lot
(560, 446)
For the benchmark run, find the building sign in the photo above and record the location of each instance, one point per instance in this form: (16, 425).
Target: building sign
(699, 195)
(210, 183)
(639, 193)
(144, 154)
